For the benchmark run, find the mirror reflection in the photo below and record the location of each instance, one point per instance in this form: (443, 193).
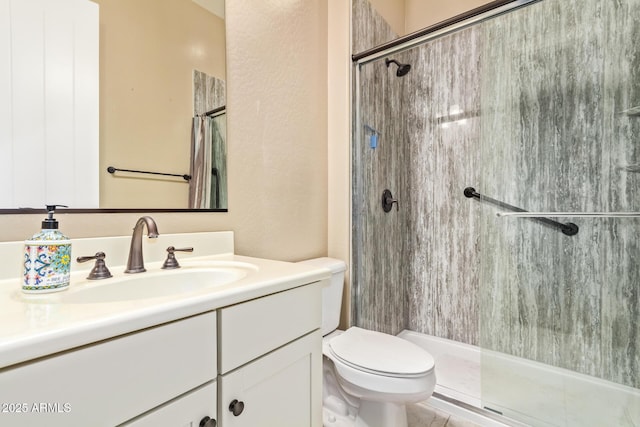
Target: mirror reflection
(159, 101)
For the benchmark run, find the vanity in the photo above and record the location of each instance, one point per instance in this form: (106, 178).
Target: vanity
(244, 350)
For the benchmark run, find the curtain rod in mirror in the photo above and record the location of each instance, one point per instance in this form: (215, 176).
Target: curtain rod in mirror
(113, 170)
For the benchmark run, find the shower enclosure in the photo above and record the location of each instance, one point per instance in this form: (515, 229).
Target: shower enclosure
(533, 107)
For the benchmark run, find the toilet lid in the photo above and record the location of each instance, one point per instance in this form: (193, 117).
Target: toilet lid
(380, 353)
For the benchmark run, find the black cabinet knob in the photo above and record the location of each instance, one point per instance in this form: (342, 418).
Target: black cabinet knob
(208, 422)
(236, 406)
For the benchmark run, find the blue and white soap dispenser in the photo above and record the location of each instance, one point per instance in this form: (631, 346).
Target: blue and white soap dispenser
(47, 258)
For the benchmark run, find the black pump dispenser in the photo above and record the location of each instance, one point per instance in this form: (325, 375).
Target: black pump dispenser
(50, 223)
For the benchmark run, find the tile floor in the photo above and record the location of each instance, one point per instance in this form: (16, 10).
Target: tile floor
(420, 415)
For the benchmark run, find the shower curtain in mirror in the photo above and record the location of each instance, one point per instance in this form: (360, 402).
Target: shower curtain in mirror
(207, 188)
(201, 163)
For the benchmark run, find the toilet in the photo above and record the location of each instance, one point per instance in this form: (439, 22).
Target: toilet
(368, 376)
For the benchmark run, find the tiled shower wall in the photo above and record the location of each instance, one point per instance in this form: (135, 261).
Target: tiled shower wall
(526, 108)
(208, 92)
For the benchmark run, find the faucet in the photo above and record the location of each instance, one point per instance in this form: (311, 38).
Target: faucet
(135, 264)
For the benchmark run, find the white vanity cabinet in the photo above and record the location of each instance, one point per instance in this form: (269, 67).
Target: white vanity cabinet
(113, 381)
(270, 361)
(257, 363)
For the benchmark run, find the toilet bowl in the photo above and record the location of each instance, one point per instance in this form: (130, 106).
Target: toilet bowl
(368, 376)
(377, 374)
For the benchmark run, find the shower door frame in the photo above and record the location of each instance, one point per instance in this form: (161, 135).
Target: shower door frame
(409, 41)
(457, 23)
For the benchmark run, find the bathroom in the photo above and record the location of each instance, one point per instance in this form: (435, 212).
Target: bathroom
(289, 151)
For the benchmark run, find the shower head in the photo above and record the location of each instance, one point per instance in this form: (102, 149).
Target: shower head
(402, 68)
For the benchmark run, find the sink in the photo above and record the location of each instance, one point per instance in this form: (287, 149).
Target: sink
(191, 277)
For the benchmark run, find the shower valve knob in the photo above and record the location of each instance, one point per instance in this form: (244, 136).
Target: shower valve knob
(388, 201)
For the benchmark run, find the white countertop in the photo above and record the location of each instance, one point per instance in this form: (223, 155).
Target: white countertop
(31, 328)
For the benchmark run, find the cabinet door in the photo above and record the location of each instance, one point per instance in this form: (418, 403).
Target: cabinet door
(280, 389)
(187, 411)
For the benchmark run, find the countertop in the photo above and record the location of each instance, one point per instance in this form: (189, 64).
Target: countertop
(32, 328)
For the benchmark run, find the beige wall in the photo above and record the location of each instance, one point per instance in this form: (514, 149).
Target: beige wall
(393, 12)
(148, 51)
(277, 56)
(422, 13)
(407, 16)
(277, 99)
(339, 141)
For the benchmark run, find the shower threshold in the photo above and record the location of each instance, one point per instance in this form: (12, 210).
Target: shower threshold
(457, 390)
(514, 388)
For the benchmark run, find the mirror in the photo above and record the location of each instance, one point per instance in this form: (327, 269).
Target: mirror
(162, 66)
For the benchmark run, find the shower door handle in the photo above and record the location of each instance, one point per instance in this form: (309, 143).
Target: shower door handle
(388, 201)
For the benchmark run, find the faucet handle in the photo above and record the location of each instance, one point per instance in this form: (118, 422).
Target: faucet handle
(388, 201)
(171, 261)
(99, 270)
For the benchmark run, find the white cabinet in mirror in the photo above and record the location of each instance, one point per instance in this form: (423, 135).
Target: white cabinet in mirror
(49, 103)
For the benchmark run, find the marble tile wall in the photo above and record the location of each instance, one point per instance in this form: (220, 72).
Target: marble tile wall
(416, 268)
(380, 237)
(443, 103)
(368, 27)
(553, 140)
(526, 108)
(208, 92)
(380, 263)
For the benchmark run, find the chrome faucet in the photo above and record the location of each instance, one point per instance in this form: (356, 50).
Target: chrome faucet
(135, 264)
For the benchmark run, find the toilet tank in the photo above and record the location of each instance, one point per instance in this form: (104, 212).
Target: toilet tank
(332, 294)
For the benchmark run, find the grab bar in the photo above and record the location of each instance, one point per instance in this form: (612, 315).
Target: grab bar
(569, 229)
(111, 170)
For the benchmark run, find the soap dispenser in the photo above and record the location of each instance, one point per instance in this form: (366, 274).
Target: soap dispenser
(47, 258)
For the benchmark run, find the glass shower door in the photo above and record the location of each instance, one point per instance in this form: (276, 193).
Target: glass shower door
(560, 294)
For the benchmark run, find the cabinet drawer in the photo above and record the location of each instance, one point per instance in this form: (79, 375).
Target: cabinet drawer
(187, 411)
(253, 328)
(107, 383)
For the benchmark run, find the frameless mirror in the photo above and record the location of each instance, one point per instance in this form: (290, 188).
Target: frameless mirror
(161, 125)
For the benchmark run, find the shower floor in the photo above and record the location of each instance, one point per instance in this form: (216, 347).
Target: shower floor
(457, 366)
(521, 389)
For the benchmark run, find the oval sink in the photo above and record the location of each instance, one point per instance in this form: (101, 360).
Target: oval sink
(152, 285)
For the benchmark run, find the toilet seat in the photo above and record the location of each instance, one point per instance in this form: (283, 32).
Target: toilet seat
(380, 354)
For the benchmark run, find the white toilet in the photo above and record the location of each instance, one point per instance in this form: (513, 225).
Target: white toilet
(368, 376)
